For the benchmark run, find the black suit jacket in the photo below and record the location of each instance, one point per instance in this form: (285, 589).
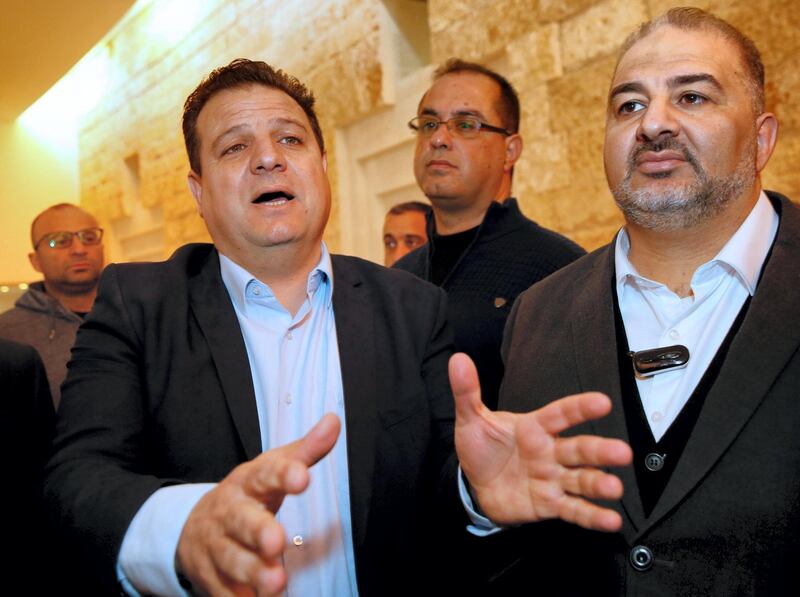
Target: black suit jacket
(728, 522)
(159, 392)
(26, 430)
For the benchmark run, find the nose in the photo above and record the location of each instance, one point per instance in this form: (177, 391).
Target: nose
(76, 247)
(659, 120)
(441, 137)
(267, 156)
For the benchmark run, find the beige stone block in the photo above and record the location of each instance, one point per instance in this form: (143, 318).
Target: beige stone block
(536, 111)
(535, 56)
(579, 98)
(544, 165)
(558, 10)
(783, 95)
(599, 31)
(782, 173)
(486, 32)
(658, 7)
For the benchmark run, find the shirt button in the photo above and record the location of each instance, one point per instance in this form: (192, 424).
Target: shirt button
(641, 558)
(289, 335)
(656, 417)
(674, 334)
(288, 398)
(654, 462)
(256, 290)
(297, 540)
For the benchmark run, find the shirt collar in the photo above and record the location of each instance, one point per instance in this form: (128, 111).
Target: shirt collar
(236, 278)
(745, 252)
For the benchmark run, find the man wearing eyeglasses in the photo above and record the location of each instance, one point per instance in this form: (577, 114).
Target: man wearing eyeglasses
(68, 251)
(483, 251)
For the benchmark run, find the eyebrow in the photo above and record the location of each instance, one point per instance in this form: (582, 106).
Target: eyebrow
(678, 81)
(246, 127)
(475, 113)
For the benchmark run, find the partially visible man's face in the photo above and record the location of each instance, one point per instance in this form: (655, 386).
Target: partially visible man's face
(680, 130)
(74, 269)
(402, 233)
(454, 172)
(264, 180)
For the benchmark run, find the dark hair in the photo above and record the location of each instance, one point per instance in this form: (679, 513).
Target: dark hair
(408, 206)
(508, 104)
(694, 19)
(239, 73)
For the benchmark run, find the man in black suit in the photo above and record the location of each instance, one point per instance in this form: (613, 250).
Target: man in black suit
(183, 446)
(27, 418)
(707, 262)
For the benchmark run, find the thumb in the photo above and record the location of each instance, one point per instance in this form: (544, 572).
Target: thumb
(466, 387)
(319, 440)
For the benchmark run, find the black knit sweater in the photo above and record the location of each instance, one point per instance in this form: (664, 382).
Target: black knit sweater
(509, 254)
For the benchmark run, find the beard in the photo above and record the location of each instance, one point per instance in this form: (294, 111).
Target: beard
(681, 205)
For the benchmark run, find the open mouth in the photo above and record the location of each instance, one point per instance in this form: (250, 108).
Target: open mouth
(273, 198)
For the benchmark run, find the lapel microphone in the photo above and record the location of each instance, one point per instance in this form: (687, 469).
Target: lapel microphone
(652, 361)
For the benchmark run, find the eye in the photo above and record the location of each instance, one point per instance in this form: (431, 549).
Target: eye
(467, 124)
(291, 140)
(389, 242)
(235, 148)
(428, 124)
(693, 99)
(631, 106)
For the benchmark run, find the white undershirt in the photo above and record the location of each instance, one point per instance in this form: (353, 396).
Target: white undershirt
(656, 317)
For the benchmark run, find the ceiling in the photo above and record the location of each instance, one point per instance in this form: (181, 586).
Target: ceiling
(40, 40)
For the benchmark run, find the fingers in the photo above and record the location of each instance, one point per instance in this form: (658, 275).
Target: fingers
(250, 525)
(590, 450)
(466, 387)
(285, 470)
(591, 483)
(244, 568)
(589, 516)
(572, 410)
(231, 543)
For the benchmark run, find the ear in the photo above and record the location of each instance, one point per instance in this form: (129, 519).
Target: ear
(325, 161)
(34, 259)
(513, 150)
(196, 187)
(766, 138)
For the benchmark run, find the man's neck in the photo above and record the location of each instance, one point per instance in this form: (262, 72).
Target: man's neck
(77, 303)
(285, 271)
(671, 257)
(468, 214)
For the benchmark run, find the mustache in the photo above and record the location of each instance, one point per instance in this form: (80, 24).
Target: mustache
(662, 145)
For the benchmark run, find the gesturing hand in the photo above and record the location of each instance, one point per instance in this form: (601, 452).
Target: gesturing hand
(518, 467)
(231, 543)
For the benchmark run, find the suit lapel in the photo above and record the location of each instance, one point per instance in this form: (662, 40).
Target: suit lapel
(769, 336)
(597, 362)
(354, 314)
(214, 313)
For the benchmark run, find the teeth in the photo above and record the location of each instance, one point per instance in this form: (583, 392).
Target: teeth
(273, 198)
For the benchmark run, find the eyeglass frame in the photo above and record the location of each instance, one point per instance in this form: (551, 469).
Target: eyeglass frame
(79, 233)
(481, 126)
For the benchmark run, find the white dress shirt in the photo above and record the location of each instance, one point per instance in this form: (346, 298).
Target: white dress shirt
(656, 317)
(297, 378)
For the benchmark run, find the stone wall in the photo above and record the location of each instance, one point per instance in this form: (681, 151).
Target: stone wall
(559, 54)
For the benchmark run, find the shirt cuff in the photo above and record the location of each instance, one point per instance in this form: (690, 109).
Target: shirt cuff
(146, 563)
(481, 526)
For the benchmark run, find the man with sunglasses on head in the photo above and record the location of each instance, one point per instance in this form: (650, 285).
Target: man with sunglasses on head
(483, 251)
(68, 251)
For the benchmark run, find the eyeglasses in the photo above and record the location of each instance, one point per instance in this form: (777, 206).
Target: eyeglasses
(467, 127)
(62, 240)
